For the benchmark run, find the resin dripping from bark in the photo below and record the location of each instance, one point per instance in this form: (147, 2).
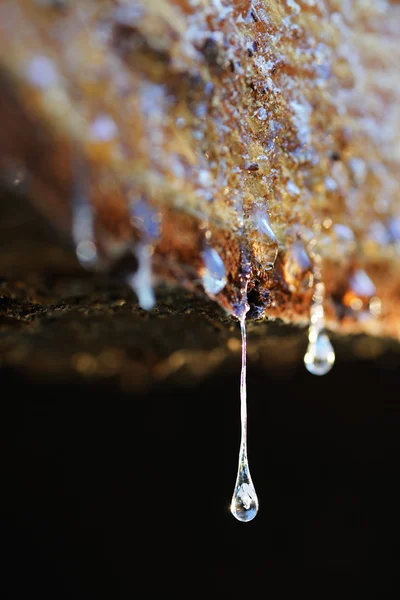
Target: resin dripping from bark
(320, 355)
(147, 222)
(141, 282)
(212, 111)
(244, 505)
(213, 273)
(83, 233)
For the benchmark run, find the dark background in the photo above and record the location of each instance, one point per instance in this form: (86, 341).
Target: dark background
(105, 494)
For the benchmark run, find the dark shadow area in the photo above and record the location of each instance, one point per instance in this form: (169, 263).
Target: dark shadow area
(111, 495)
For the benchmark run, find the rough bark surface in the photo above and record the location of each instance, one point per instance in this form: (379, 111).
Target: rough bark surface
(218, 116)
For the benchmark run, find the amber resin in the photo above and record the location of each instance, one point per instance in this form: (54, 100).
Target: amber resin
(227, 117)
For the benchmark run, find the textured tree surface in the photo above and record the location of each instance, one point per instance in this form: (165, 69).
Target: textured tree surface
(218, 117)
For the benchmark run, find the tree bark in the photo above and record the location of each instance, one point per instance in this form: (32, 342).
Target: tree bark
(185, 126)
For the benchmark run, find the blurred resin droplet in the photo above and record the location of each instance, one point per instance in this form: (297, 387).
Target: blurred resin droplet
(213, 273)
(361, 284)
(18, 176)
(297, 266)
(83, 221)
(320, 355)
(244, 504)
(360, 290)
(147, 222)
(86, 252)
(146, 219)
(263, 240)
(375, 306)
(141, 282)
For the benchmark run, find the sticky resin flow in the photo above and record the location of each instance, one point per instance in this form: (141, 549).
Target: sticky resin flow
(361, 296)
(244, 504)
(142, 281)
(213, 272)
(320, 355)
(147, 221)
(83, 232)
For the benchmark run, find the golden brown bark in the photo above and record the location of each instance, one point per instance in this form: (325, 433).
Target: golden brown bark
(218, 114)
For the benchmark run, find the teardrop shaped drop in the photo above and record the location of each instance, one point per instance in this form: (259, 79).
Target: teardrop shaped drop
(297, 267)
(244, 505)
(264, 243)
(83, 232)
(213, 272)
(320, 355)
(361, 289)
(83, 218)
(142, 282)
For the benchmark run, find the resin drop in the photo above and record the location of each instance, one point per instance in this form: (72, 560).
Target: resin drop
(297, 267)
(18, 176)
(141, 282)
(361, 290)
(375, 306)
(213, 273)
(83, 223)
(147, 222)
(320, 355)
(263, 240)
(244, 504)
(361, 284)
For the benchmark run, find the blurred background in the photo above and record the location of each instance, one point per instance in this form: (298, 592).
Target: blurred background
(117, 495)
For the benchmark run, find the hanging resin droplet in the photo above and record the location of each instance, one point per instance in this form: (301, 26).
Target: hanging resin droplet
(375, 306)
(244, 504)
(361, 296)
(264, 244)
(361, 285)
(361, 290)
(83, 221)
(297, 267)
(141, 282)
(83, 234)
(18, 176)
(213, 273)
(320, 355)
(148, 223)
